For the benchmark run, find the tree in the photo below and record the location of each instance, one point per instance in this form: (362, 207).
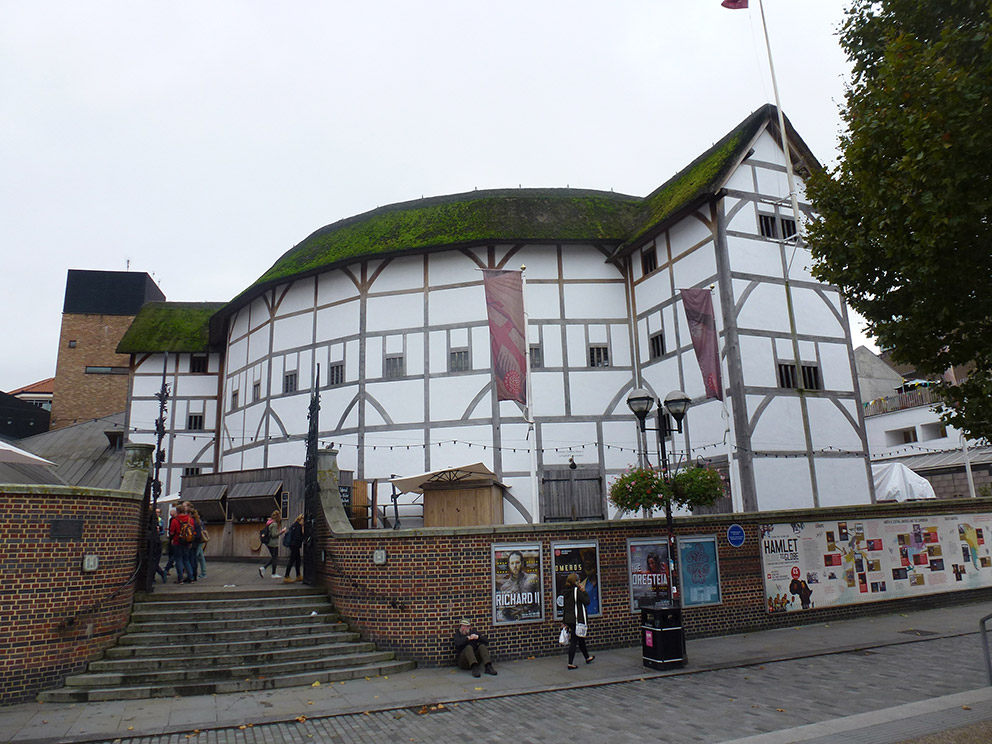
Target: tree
(903, 226)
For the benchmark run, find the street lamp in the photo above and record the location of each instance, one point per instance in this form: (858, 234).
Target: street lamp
(640, 402)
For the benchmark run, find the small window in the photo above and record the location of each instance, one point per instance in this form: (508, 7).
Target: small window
(289, 382)
(458, 361)
(766, 224)
(256, 392)
(909, 436)
(194, 422)
(335, 374)
(536, 357)
(72, 344)
(787, 376)
(191, 471)
(649, 260)
(106, 370)
(657, 344)
(599, 356)
(788, 227)
(234, 400)
(198, 365)
(811, 377)
(394, 367)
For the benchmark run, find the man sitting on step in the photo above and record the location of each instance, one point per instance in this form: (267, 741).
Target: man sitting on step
(472, 650)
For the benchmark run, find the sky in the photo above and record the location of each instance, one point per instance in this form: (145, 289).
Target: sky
(198, 141)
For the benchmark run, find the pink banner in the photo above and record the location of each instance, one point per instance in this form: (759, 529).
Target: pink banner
(698, 306)
(505, 303)
(734, 4)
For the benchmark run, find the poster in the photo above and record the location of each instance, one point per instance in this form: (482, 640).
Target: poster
(699, 571)
(647, 572)
(827, 564)
(581, 558)
(516, 582)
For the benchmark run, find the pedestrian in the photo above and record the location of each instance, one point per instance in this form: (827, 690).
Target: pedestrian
(472, 650)
(199, 540)
(155, 550)
(168, 537)
(182, 533)
(275, 530)
(294, 541)
(574, 613)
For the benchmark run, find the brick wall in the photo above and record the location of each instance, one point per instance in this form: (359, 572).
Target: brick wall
(56, 616)
(435, 576)
(79, 396)
(953, 482)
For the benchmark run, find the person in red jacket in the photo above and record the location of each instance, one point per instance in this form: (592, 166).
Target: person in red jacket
(181, 533)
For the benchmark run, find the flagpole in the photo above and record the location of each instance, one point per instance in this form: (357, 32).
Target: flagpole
(528, 408)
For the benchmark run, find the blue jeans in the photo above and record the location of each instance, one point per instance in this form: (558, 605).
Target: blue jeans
(184, 562)
(199, 562)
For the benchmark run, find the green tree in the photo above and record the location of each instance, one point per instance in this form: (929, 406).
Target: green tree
(904, 219)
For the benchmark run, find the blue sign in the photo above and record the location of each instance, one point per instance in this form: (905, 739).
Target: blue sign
(735, 535)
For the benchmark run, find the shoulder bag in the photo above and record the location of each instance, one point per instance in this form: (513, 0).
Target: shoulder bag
(580, 628)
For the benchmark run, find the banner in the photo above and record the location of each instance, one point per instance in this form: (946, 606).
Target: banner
(516, 582)
(578, 558)
(647, 572)
(507, 336)
(698, 306)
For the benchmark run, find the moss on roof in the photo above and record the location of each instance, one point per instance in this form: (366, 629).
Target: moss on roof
(169, 326)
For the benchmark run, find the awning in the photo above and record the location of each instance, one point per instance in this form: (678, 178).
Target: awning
(252, 490)
(204, 493)
(415, 483)
(253, 500)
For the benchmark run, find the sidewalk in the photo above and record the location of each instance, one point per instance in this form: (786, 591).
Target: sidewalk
(43, 723)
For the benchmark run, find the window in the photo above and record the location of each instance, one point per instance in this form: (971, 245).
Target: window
(256, 391)
(787, 376)
(72, 344)
(536, 357)
(657, 344)
(198, 364)
(106, 370)
(194, 422)
(933, 431)
(234, 400)
(191, 471)
(289, 382)
(649, 260)
(335, 374)
(811, 377)
(788, 227)
(766, 225)
(458, 360)
(599, 356)
(896, 437)
(394, 367)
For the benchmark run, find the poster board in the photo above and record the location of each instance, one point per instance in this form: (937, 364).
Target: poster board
(581, 558)
(699, 571)
(648, 572)
(516, 583)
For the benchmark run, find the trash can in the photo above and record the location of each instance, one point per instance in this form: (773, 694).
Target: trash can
(662, 637)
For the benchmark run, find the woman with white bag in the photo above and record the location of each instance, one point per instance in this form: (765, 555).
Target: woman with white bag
(575, 618)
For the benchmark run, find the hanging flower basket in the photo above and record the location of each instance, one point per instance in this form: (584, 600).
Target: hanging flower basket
(640, 488)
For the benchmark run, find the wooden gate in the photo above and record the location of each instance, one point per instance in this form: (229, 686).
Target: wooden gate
(572, 495)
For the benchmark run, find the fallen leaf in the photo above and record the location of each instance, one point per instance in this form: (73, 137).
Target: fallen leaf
(965, 707)
(309, 702)
(780, 710)
(316, 684)
(440, 706)
(385, 676)
(479, 689)
(376, 697)
(301, 719)
(242, 727)
(365, 713)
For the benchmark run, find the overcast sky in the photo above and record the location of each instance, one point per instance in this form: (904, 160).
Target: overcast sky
(201, 140)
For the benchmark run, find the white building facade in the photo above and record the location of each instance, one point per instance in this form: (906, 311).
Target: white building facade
(390, 307)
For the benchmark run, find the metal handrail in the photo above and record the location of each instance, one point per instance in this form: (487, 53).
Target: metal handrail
(985, 645)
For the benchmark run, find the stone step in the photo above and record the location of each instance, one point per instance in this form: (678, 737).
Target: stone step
(206, 658)
(257, 634)
(194, 627)
(150, 612)
(198, 674)
(315, 674)
(158, 649)
(232, 599)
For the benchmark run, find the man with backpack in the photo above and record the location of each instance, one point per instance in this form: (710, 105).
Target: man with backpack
(182, 532)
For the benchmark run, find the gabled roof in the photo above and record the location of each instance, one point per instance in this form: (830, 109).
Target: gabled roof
(42, 386)
(169, 326)
(83, 453)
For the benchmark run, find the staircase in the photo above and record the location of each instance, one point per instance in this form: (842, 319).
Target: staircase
(220, 642)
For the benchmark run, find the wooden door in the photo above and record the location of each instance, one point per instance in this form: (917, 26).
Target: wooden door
(572, 495)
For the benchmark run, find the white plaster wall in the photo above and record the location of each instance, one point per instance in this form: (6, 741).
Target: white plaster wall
(237, 356)
(401, 273)
(754, 256)
(782, 483)
(334, 286)
(767, 148)
(765, 308)
(654, 289)
(451, 267)
(757, 361)
(740, 180)
(841, 481)
(772, 182)
(698, 268)
(239, 323)
(387, 313)
(599, 301)
(829, 427)
(453, 305)
(338, 320)
(549, 394)
(593, 390)
(480, 347)
(689, 232)
(586, 262)
(258, 344)
(835, 367)
(403, 401)
(813, 316)
(292, 332)
(542, 301)
(299, 297)
(780, 426)
(451, 397)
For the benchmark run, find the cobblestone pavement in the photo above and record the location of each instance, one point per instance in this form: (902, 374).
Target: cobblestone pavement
(712, 706)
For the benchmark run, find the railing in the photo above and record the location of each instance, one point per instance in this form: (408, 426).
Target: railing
(985, 645)
(923, 396)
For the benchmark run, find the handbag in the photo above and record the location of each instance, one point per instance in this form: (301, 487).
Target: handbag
(580, 628)
(563, 637)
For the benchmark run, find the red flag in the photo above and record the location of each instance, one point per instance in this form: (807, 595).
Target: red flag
(734, 4)
(698, 306)
(505, 303)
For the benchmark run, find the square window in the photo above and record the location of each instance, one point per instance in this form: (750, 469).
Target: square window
(191, 471)
(536, 357)
(787, 376)
(649, 260)
(194, 422)
(256, 392)
(198, 365)
(766, 225)
(657, 344)
(599, 356)
(335, 374)
(458, 361)
(72, 344)
(788, 227)
(289, 382)
(811, 377)
(394, 367)
(234, 400)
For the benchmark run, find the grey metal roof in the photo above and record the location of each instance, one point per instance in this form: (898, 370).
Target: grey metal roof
(82, 452)
(203, 493)
(953, 458)
(249, 490)
(41, 475)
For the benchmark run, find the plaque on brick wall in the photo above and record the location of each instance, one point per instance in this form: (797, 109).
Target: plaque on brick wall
(66, 529)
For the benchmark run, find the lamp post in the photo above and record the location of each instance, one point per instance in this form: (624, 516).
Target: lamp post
(640, 402)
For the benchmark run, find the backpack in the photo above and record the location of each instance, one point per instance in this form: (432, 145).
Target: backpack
(287, 539)
(263, 535)
(186, 533)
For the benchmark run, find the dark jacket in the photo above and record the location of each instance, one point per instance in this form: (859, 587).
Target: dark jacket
(461, 641)
(296, 535)
(568, 608)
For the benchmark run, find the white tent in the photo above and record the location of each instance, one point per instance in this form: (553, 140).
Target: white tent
(895, 482)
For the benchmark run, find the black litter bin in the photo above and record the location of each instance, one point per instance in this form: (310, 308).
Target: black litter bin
(662, 637)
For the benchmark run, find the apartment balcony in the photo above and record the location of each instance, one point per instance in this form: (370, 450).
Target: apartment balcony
(923, 396)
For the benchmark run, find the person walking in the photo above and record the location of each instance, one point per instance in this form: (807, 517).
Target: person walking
(574, 613)
(199, 541)
(294, 541)
(275, 529)
(168, 540)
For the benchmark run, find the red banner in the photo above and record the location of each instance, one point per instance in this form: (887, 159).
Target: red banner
(698, 306)
(505, 303)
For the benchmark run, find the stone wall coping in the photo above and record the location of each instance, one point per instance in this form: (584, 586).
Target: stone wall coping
(71, 491)
(827, 513)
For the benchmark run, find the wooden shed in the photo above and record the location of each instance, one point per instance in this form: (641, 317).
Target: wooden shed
(462, 496)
